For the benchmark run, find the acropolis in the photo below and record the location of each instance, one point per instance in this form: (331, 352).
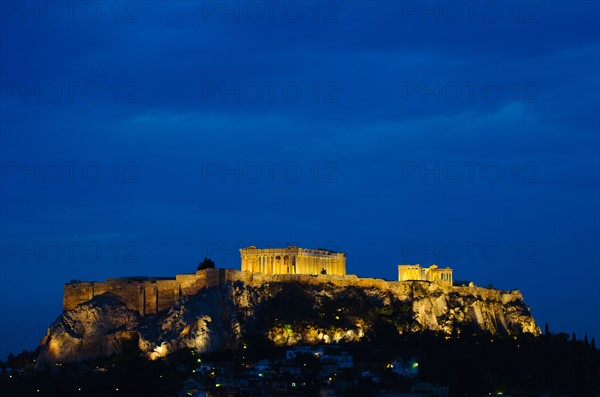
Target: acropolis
(151, 295)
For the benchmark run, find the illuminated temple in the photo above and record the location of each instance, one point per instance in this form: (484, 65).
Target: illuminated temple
(293, 260)
(418, 273)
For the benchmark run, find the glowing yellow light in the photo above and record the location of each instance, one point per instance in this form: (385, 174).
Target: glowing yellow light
(159, 351)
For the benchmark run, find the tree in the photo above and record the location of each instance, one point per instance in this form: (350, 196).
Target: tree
(573, 337)
(546, 330)
(593, 344)
(206, 264)
(323, 271)
(585, 340)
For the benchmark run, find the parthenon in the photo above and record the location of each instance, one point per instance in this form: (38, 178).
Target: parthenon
(293, 260)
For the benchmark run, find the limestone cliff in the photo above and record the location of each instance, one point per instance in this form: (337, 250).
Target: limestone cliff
(286, 312)
(101, 327)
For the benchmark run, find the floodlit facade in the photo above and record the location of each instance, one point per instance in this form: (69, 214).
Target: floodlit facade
(418, 273)
(293, 260)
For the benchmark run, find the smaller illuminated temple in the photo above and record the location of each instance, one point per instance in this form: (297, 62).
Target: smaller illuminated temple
(293, 260)
(418, 273)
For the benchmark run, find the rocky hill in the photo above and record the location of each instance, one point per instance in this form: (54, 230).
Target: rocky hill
(285, 312)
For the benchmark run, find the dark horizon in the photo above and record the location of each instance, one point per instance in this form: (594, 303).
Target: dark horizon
(140, 137)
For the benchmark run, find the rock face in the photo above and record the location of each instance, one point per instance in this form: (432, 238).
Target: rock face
(286, 313)
(102, 327)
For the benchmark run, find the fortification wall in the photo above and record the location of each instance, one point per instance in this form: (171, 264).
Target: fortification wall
(145, 297)
(152, 296)
(76, 293)
(156, 295)
(168, 294)
(132, 293)
(189, 284)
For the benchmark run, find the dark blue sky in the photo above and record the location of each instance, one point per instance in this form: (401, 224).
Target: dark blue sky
(138, 137)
